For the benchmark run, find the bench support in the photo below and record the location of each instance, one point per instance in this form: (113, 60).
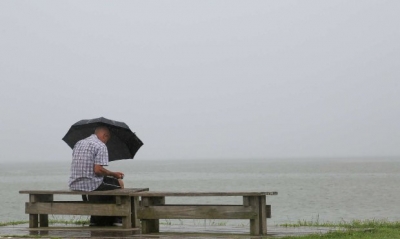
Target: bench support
(134, 208)
(151, 225)
(154, 208)
(42, 220)
(258, 225)
(146, 214)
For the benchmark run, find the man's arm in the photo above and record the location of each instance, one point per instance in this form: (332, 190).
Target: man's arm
(100, 170)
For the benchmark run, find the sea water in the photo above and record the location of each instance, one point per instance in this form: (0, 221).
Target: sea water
(313, 190)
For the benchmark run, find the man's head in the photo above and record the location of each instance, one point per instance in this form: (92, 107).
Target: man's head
(103, 133)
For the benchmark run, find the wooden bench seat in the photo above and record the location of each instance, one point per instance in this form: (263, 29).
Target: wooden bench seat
(140, 207)
(153, 208)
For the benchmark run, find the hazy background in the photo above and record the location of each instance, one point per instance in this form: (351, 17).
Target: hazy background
(203, 79)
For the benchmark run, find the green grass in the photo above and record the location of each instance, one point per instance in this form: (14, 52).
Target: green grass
(81, 222)
(12, 223)
(205, 222)
(369, 223)
(357, 229)
(377, 233)
(73, 221)
(22, 236)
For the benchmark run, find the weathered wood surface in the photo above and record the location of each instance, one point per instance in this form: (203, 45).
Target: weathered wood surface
(263, 214)
(134, 207)
(196, 212)
(125, 191)
(254, 208)
(177, 208)
(41, 203)
(77, 208)
(253, 202)
(151, 209)
(268, 210)
(199, 194)
(153, 224)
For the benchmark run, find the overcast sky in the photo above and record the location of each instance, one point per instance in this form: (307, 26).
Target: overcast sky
(203, 79)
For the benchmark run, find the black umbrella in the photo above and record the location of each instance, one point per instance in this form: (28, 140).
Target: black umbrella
(123, 143)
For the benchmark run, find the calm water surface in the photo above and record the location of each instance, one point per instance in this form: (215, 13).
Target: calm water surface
(324, 190)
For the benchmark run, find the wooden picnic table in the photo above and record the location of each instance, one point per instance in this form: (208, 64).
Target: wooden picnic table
(41, 204)
(140, 208)
(153, 207)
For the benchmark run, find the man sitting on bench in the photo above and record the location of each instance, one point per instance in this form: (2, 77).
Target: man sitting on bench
(88, 174)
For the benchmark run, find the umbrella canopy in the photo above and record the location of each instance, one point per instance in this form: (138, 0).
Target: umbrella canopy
(123, 143)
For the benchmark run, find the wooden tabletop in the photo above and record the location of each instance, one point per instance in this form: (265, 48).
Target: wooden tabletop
(191, 194)
(146, 193)
(116, 192)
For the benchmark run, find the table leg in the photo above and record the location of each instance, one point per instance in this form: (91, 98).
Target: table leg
(134, 207)
(33, 220)
(127, 220)
(263, 214)
(151, 225)
(253, 201)
(36, 220)
(44, 218)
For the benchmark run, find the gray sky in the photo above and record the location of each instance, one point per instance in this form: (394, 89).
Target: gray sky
(203, 79)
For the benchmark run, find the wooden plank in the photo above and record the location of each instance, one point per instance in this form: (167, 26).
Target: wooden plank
(151, 225)
(44, 218)
(127, 220)
(83, 229)
(118, 200)
(149, 201)
(33, 217)
(197, 212)
(36, 220)
(134, 207)
(33, 220)
(78, 201)
(268, 209)
(262, 215)
(122, 192)
(78, 208)
(253, 202)
(195, 194)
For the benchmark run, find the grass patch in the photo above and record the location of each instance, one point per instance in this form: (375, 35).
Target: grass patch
(356, 229)
(12, 223)
(370, 223)
(377, 233)
(70, 222)
(209, 222)
(24, 236)
(198, 222)
(73, 221)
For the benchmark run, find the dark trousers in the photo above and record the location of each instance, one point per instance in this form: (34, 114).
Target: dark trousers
(108, 183)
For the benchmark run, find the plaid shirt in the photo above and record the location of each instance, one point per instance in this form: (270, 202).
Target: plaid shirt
(86, 153)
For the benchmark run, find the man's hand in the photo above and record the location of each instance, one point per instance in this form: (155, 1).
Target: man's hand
(121, 183)
(118, 175)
